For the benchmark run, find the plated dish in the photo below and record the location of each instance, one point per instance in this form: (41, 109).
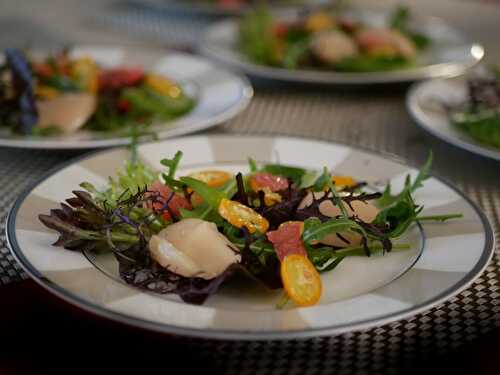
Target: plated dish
(396, 284)
(61, 94)
(332, 40)
(96, 96)
(352, 46)
(464, 112)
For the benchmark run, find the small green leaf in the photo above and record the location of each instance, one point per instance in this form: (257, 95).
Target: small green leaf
(388, 199)
(315, 230)
(210, 195)
(294, 173)
(398, 216)
(333, 264)
(252, 165)
(322, 181)
(308, 179)
(172, 164)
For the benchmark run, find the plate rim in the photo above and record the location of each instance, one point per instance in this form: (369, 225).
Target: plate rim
(246, 335)
(412, 106)
(448, 69)
(247, 91)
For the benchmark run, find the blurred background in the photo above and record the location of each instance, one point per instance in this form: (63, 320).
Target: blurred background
(169, 23)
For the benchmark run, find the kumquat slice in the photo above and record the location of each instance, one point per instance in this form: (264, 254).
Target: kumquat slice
(300, 279)
(241, 216)
(212, 178)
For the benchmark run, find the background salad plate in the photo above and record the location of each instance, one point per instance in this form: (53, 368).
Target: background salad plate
(450, 54)
(424, 102)
(219, 94)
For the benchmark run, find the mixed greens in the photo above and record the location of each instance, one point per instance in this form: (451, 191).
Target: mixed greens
(62, 94)
(479, 115)
(330, 39)
(280, 225)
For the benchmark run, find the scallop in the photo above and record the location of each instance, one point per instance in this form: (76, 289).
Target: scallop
(366, 211)
(193, 248)
(68, 112)
(333, 46)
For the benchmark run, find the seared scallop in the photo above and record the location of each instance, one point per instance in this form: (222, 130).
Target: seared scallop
(333, 46)
(68, 112)
(193, 248)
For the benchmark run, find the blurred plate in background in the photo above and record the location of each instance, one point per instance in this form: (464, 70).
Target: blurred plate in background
(425, 104)
(220, 95)
(450, 54)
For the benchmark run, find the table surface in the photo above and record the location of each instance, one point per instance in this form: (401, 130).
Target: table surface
(459, 335)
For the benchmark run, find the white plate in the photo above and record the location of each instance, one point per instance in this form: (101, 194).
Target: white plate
(220, 95)
(450, 54)
(363, 292)
(423, 102)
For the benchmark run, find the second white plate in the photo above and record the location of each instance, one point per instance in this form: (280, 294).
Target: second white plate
(220, 95)
(450, 54)
(423, 103)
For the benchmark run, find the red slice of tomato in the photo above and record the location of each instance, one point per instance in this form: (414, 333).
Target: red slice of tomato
(117, 78)
(280, 29)
(175, 203)
(287, 239)
(230, 4)
(43, 70)
(263, 179)
(123, 105)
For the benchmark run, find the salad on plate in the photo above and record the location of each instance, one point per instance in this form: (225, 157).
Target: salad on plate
(479, 114)
(282, 226)
(331, 39)
(62, 94)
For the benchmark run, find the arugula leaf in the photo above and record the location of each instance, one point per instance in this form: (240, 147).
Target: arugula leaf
(203, 212)
(400, 18)
(331, 265)
(398, 216)
(322, 181)
(256, 38)
(296, 51)
(320, 256)
(315, 230)
(387, 198)
(336, 198)
(294, 173)
(308, 179)
(172, 164)
(252, 165)
(210, 195)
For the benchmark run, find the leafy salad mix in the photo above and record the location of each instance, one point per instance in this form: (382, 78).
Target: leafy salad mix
(330, 39)
(61, 94)
(281, 225)
(479, 114)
